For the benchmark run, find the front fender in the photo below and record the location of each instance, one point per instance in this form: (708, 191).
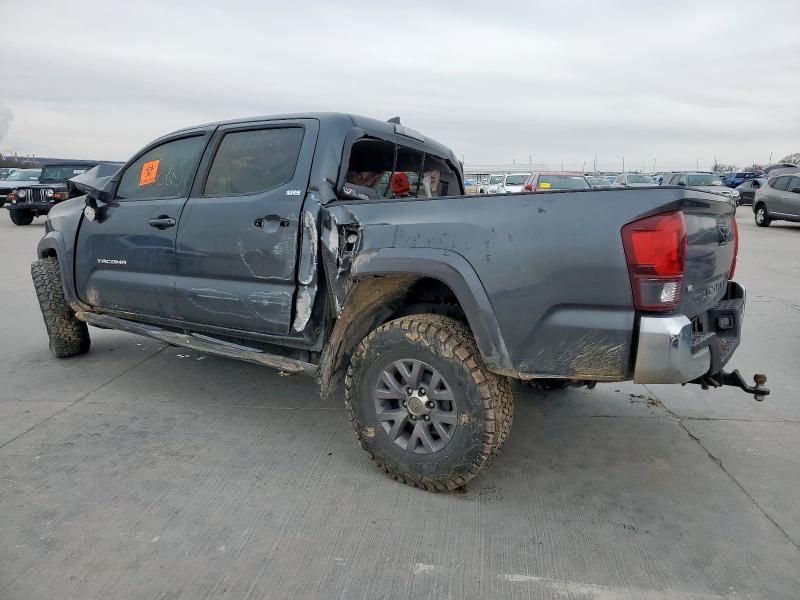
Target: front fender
(53, 244)
(454, 271)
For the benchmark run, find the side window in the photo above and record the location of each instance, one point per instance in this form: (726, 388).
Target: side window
(438, 179)
(794, 185)
(166, 171)
(371, 163)
(779, 183)
(252, 161)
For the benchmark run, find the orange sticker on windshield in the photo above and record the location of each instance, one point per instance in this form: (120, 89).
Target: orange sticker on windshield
(149, 173)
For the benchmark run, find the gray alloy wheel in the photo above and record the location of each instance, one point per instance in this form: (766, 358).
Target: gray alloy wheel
(415, 406)
(424, 405)
(762, 218)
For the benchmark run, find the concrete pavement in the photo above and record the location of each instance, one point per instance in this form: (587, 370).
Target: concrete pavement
(140, 472)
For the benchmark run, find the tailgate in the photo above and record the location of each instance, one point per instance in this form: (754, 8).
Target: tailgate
(711, 248)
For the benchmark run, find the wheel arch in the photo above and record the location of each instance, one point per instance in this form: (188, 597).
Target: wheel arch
(385, 283)
(52, 245)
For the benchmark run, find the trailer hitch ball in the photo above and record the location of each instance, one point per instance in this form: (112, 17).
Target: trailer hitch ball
(760, 380)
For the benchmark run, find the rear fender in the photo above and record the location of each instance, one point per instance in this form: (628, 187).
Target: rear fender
(455, 272)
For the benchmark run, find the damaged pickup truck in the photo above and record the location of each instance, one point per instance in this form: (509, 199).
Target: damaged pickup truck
(343, 247)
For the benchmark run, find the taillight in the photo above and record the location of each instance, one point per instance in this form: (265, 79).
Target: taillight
(655, 249)
(735, 247)
(528, 187)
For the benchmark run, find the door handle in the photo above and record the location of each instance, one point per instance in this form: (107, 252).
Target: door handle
(270, 221)
(162, 222)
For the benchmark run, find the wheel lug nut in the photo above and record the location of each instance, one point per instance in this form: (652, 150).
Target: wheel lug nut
(431, 404)
(404, 403)
(421, 391)
(409, 390)
(427, 417)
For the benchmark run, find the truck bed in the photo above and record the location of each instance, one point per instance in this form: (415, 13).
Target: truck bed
(553, 265)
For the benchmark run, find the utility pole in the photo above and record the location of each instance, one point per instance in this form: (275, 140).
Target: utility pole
(583, 167)
(623, 164)
(654, 165)
(697, 165)
(530, 159)
(770, 158)
(595, 163)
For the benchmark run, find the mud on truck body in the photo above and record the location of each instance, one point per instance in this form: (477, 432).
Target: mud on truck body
(343, 247)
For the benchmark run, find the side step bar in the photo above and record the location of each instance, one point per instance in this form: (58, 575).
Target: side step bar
(201, 344)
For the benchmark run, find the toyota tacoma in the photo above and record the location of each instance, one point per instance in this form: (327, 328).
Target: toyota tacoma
(344, 247)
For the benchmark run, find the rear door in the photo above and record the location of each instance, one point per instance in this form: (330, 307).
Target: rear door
(793, 197)
(778, 195)
(125, 257)
(238, 236)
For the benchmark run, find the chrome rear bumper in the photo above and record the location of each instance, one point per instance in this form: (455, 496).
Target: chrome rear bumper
(670, 351)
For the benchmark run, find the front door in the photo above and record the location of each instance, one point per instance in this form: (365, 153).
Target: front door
(238, 236)
(125, 257)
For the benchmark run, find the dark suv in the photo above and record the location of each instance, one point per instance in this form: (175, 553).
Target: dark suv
(27, 202)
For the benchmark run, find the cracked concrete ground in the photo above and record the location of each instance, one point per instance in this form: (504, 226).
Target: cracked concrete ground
(141, 472)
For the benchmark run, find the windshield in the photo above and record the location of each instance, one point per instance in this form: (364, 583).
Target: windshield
(24, 175)
(641, 179)
(704, 180)
(495, 179)
(516, 179)
(598, 180)
(563, 182)
(62, 172)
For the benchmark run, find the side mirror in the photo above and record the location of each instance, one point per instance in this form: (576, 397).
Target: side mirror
(796, 190)
(683, 183)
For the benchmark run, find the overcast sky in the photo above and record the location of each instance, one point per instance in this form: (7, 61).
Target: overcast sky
(558, 81)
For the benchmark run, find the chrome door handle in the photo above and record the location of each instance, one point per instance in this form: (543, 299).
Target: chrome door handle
(162, 222)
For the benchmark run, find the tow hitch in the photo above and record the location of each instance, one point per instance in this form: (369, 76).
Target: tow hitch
(736, 379)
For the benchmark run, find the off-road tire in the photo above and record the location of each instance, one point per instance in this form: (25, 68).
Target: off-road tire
(483, 400)
(762, 221)
(21, 217)
(68, 336)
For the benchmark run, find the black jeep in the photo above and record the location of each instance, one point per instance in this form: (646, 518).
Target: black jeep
(27, 202)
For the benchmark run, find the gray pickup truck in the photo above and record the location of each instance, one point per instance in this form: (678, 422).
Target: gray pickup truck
(344, 247)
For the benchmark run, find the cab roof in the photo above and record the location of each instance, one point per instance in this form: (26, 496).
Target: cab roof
(337, 122)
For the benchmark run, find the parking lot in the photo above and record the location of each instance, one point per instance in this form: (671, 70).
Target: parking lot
(144, 471)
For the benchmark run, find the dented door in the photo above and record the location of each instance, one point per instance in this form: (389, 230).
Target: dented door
(238, 235)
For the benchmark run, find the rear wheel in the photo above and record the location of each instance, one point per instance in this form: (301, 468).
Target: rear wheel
(762, 216)
(21, 217)
(68, 336)
(424, 405)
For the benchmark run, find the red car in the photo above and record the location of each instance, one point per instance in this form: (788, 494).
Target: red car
(545, 181)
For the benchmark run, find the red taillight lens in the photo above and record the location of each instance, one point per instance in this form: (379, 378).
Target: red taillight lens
(655, 248)
(735, 247)
(529, 187)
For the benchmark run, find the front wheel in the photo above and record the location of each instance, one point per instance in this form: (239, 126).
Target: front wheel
(762, 217)
(21, 217)
(68, 336)
(424, 405)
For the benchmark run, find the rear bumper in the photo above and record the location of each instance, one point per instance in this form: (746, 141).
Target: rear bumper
(673, 349)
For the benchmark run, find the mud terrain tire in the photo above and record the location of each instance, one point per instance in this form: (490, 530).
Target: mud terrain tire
(68, 336)
(474, 424)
